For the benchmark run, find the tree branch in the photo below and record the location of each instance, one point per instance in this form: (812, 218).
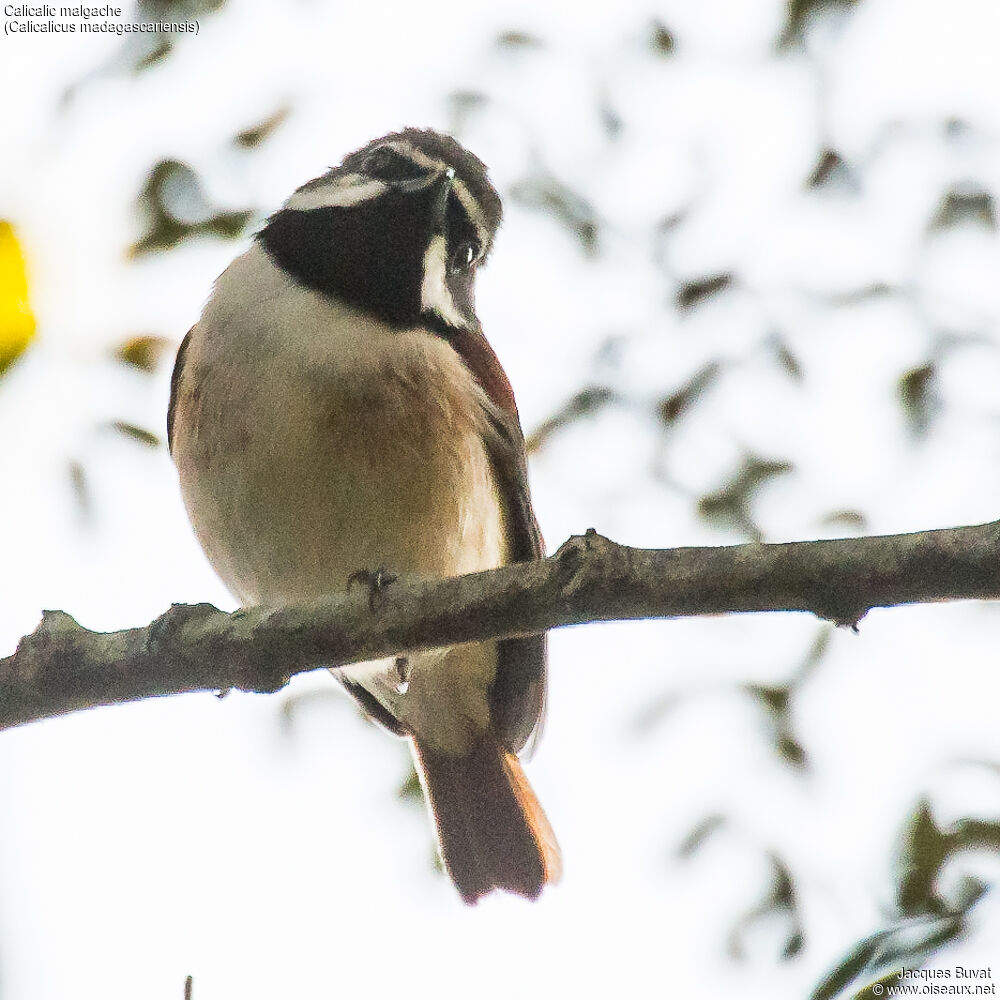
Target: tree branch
(62, 667)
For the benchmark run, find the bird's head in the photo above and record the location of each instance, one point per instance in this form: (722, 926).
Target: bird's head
(397, 230)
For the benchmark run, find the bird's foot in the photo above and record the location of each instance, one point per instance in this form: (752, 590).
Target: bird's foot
(377, 581)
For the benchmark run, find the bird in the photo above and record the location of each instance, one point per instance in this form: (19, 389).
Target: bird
(336, 413)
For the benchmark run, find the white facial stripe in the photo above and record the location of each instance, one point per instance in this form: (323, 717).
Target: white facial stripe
(463, 194)
(418, 156)
(434, 294)
(353, 189)
(341, 192)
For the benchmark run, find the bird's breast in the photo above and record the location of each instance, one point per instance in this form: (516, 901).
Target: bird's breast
(316, 442)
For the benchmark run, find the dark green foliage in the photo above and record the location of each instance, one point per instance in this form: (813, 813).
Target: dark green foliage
(542, 191)
(587, 401)
(693, 293)
(832, 173)
(780, 899)
(917, 397)
(671, 407)
(730, 505)
(800, 13)
(138, 434)
(661, 39)
(965, 204)
(254, 135)
(175, 208)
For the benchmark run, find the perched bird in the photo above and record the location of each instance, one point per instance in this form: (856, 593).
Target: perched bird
(337, 410)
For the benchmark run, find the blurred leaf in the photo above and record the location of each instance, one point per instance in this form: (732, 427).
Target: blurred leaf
(967, 893)
(867, 293)
(147, 48)
(542, 191)
(791, 751)
(788, 362)
(972, 833)
(655, 711)
(670, 222)
(671, 407)
(81, 489)
(782, 893)
(463, 104)
(877, 989)
(793, 947)
(814, 656)
(611, 121)
(989, 765)
(411, 790)
(799, 14)
(143, 351)
(665, 230)
(609, 352)
(827, 166)
(967, 203)
(17, 321)
(138, 434)
(693, 293)
(518, 40)
(585, 402)
(831, 172)
(175, 207)
(861, 959)
(878, 958)
(775, 701)
(948, 341)
(922, 853)
(700, 834)
(254, 135)
(661, 39)
(917, 396)
(957, 128)
(852, 519)
(730, 505)
(469, 99)
(781, 901)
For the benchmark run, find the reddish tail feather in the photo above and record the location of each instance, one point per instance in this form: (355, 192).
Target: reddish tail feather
(492, 831)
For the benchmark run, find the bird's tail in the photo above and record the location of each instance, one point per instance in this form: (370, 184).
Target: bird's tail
(491, 829)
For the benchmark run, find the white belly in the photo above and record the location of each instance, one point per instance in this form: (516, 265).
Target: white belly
(311, 443)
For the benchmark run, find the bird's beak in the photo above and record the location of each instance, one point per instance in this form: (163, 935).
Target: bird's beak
(433, 189)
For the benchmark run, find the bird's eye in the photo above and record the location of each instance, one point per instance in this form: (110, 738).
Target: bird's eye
(465, 255)
(386, 164)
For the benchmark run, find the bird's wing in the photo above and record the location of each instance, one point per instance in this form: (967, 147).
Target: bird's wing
(517, 699)
(175, 381)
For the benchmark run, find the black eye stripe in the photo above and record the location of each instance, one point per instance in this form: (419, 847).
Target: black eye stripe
(461, 228)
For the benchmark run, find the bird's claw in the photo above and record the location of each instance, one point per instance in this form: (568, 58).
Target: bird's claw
(377, 581)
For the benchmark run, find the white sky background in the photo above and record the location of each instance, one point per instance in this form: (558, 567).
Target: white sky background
(191, 835)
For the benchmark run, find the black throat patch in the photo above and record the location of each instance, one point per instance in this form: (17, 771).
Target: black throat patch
(369, 256)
